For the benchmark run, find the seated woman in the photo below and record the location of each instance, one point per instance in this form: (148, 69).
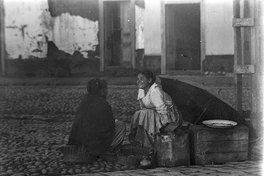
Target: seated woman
(94, 126)
(157, 111)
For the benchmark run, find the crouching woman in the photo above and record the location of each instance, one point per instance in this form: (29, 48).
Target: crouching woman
(94, 126)
(157, 112)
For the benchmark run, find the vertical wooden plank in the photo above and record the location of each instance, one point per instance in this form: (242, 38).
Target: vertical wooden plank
(163, 38)
(257, 78)
(2, 36)
(252, 45)
(247, 34)
(133, 32)
(203, 26)
(239, 92)
(240, 58)
(237, 36)
(237, 56)
(101, 35)
(248, 13)
(242, 31)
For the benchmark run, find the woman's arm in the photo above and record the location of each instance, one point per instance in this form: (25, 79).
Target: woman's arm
(157, 99)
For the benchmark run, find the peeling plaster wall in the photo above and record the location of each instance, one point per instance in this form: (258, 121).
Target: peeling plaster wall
(139, 27)
(71, 33)
(24, 33)
(152, 28)
(29, 22)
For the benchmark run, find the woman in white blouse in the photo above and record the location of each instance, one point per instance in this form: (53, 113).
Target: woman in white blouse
(157, 111)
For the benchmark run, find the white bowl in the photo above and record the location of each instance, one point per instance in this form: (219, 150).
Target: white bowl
(218, 123)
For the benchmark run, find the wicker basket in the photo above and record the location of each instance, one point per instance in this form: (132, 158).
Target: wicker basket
(131, 155)
(74, 153)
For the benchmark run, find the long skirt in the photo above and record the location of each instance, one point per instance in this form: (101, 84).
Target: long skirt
(146, 123)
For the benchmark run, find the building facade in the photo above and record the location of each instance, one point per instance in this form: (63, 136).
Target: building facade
(163, 35)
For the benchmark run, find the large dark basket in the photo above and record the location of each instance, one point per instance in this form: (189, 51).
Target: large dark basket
(75, 153)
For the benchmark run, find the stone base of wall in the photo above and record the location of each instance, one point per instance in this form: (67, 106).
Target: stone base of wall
(211, 64)
(228, 94)
(218, 63)
(152, 62)
(139, 58)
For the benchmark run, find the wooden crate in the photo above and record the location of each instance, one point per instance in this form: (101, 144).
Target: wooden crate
(173, 150)
(211, 145)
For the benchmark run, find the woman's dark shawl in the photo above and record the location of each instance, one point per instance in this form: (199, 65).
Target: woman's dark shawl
(93, 125)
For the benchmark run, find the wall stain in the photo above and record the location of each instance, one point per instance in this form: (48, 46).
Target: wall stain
(68, 24)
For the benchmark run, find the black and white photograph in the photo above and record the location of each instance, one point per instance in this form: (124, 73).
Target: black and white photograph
(131, 87)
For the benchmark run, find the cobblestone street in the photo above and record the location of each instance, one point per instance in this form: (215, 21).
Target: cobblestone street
(29, 143)
(30, 148)
(246, 168)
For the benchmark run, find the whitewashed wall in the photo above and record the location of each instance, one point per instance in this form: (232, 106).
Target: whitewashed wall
(23, 33)
(152, 28)
(139, 27)
(68, 32)
(28, 21)
(71, 33)
(219, 36)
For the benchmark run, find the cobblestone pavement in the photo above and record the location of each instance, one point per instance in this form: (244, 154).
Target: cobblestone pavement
(30, 147)
(246, 168)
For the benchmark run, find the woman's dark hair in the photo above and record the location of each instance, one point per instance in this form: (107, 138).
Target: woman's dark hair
(95, 86)
(149, 75)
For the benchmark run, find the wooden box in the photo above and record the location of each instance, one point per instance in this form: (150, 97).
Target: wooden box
(173, 149)
(212, 145)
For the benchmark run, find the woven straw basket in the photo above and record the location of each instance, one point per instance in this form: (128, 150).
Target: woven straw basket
(131, 155)
(74, 153)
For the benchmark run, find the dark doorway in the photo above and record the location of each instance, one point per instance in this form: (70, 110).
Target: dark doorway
(183, 36)
(112, 33)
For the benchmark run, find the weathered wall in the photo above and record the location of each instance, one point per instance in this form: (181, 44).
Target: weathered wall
(24, 33)
(71, 25)
(219, 35)
(84, 8)
(219, 38)
(74, 33)
(139, 27)
(152, 28)
(28, 23)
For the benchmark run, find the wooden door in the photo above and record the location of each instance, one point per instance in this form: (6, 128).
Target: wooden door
(183, 36)
(117, 33)
(126, 37)
(112, 31)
